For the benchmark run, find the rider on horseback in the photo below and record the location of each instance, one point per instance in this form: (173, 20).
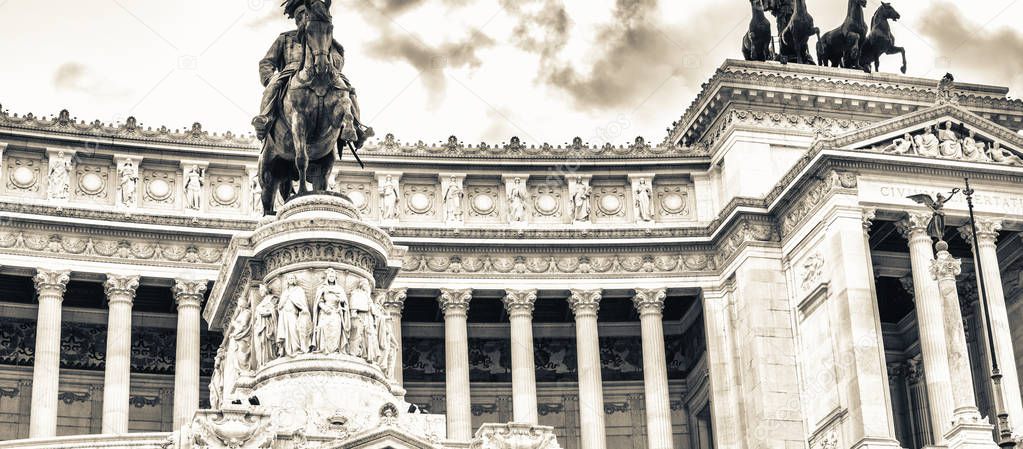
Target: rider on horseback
(283, 60)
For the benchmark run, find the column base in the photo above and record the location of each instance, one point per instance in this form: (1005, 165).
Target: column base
(970, 433)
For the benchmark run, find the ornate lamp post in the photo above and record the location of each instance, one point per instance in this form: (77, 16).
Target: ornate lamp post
(1002, 425)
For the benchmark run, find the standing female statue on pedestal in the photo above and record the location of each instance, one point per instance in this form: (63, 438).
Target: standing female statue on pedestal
(241, 332)
(330, 313)
(294, 324)
(361, 319)
(264, 343)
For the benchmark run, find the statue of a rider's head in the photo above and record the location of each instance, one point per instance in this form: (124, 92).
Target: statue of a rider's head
(296, 9)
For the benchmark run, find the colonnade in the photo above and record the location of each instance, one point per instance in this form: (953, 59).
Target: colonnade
(584, 304)
(120, 291)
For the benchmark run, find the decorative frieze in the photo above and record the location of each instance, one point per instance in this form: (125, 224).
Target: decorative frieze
(681, 263)
(948, 141)
(70, 397)
(815, 195)
(72, 245)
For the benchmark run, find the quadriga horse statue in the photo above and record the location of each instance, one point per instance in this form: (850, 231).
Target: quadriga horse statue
(317, 116)
(880, 40)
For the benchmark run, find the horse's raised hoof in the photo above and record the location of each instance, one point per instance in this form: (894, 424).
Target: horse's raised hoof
(903, 69)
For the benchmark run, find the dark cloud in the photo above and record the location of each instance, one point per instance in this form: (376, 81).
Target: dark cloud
(972, 48)
(542, 26)
(636, 52)
(399, 44)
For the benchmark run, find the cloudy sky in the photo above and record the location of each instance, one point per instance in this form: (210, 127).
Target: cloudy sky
(543, 70)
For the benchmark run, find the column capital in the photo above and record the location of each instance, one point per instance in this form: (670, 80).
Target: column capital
(454, 301)
(650, 300)
(915, 224)
(121, 288)
(584, 302)
(869, 214)
(394, 300)
(51, 282)
(519, 302)
(987, 230)
(189, 292)
(944, 266)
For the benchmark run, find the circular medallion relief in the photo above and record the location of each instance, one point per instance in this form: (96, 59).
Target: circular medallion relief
(419, 203)
(358, 199)
(158, 189)
(225, 194)
(546, 204)
(483, 204)
(610, 204)
(91, 183)
(23, 177)
(673, 203)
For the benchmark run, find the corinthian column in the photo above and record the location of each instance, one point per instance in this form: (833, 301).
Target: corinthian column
(519, 304)
(584, 304)
(120, 292)
(50, 285)
(394, 303)
(929, 318)
(188, 295)
(650, 304)
(455, 305)
(987, 235)
(968, 430)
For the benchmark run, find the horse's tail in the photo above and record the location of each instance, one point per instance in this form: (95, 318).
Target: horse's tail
(820, 52)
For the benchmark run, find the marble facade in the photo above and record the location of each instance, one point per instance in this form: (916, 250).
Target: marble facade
(756, 279)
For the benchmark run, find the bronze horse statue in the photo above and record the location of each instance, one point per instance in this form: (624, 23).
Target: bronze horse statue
(840, 47)
(317, 117)
(796, 35)
(757, 43)
(879, 40)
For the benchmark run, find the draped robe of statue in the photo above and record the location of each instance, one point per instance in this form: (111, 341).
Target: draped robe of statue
(330, 314)
(294, 323)
(264, 342)
(241, 338)
(361, 319)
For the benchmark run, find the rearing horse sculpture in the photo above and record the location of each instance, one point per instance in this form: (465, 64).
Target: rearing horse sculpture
(757, 42)
(796, 35)
(879, 40)
(318, 116)
(840, 47)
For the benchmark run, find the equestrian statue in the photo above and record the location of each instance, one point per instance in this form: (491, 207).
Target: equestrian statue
(840, 47)
(309, 113)
(757, 44)
(879, 40)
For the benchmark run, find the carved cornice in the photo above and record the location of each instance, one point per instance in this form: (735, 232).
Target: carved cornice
(454, 301)
(51, 282)
(519, 302)
(189, 292)
(120, 288)
(551, 262)
(816, 194)
(650, 300)
(987, 229)
(808, 123)
(584, 302)
(515, 148)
